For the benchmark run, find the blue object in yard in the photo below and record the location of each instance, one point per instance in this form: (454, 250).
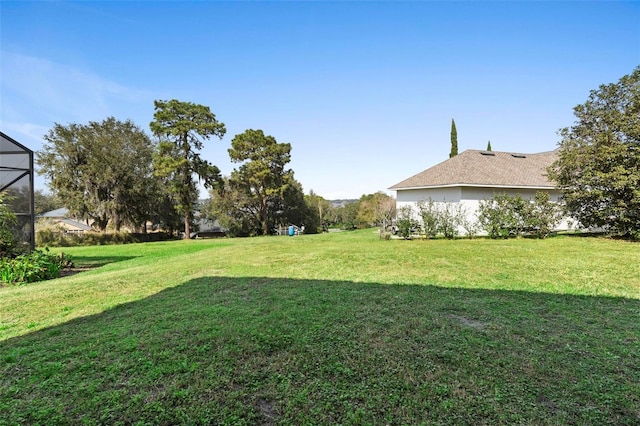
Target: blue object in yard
(292, 231)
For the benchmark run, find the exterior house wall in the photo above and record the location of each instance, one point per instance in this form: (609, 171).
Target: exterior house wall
(412, 196)
(469, 198)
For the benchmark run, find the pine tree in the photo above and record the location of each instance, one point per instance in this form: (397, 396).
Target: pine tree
(454, 140)
(489, 146)
(181, 128)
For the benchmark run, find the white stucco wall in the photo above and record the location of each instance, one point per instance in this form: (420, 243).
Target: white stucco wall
(412, 196)
(469, 198)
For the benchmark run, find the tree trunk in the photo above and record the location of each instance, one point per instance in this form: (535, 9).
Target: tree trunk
(187, 229)
(187, 182)
(265, 225)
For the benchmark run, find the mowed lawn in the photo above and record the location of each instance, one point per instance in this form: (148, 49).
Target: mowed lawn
(329, 329)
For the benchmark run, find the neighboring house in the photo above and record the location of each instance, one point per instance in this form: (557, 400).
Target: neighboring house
(207, 228)
(61, 217)
(473, 176)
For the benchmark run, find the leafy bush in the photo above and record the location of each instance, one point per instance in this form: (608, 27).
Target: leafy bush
(430, 214)
(38, 265)
(384, 235)
(520, 210)
(449, 217)
(507, 215)
(406, 222)
(54, 236)
(498, 217)
(471, 227)
(50, 234)
(440, 218)
(545, 215)
(7, 222)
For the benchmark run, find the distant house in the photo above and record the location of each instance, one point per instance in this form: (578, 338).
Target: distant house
(62, 218)
(203, 227)
(473, 176)
(207, 228)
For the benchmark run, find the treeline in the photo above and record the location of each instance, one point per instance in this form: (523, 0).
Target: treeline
(114, 175)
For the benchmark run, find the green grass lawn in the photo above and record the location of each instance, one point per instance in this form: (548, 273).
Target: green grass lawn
(330, 329)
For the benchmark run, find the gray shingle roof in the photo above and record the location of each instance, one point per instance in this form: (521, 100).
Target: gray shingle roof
(476, 168)
(77, 224)
(62, 212)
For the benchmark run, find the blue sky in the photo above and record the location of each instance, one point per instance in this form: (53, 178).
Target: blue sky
(364, 91)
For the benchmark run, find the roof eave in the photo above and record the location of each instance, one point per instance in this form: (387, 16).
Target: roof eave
(12, 140)
(472, 185)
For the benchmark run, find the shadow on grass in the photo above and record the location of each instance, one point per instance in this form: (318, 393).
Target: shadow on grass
(257, 350)
(97, 261)
(600, 235)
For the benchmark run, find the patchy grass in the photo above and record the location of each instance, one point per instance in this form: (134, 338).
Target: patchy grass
(329, 329)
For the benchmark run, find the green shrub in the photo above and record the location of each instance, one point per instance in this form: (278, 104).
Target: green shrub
(7, 222)
(55, 236)
(406, 222)
(50, 234)
(507, 215)
(471, 226)
(545, 215)
(384, 235)
(430, 214)
(497, 217)
(440, 218)
(38, 265)
(449, 217)
(521, 211)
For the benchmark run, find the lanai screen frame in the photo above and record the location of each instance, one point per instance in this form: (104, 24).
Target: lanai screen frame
(16, 173)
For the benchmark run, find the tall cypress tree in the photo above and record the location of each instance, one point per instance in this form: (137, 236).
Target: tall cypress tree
(489, 146)
(454, 140)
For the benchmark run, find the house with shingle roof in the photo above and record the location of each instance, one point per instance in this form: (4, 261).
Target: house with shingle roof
(62, 218)
(473, 176)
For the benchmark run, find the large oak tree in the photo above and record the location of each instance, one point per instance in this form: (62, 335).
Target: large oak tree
(598, 169)
(101, 171)
(181, 128)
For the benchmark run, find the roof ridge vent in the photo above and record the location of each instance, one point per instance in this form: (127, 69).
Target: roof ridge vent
(489, 153)
(518, 155)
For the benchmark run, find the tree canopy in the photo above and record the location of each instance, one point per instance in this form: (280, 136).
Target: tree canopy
(181, 128)
(321, 207)
(598, 169)
(46, 202)
(262, 178)
(101, 170)
(376, 209)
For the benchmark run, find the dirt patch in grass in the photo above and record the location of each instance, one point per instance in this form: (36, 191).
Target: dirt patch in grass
(268, 409)
(67, 272)
(468, 322)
